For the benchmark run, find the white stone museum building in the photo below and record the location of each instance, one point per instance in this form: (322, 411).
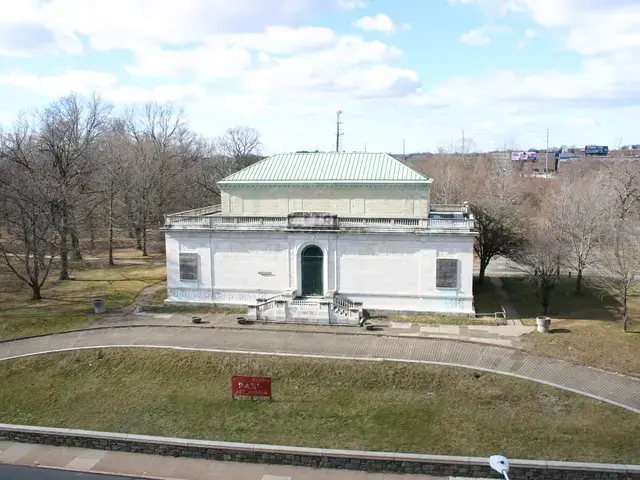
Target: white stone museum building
(318, 237)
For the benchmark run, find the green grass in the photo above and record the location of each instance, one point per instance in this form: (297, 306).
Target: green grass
(584, 327)
(67, 305)
(484, 295)
(317, 403)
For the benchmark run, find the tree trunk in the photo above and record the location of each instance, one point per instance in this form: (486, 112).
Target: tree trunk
(144, 237)
(75, 246)
(92, 234)
(110, 242)
(625, 316)
(483, 268)
(579, 280)
(35, 292)
(111, 229)
(138, 238)
(64, 249)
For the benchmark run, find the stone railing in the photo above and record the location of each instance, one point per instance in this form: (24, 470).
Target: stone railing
(445, 207)
(210, 210)
(318, 222)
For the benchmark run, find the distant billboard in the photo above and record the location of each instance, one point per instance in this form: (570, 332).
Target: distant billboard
(524, 156)
(596, 150)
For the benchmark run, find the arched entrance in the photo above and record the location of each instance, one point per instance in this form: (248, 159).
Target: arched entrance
(312, 258)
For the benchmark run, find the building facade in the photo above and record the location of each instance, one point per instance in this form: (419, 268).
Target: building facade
(319, 238)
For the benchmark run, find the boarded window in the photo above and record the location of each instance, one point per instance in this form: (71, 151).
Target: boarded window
(188, 266)
(446, 273)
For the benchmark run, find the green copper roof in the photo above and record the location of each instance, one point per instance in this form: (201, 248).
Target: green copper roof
(327, 168)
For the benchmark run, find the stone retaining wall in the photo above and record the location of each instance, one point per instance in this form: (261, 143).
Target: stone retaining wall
(438, 465)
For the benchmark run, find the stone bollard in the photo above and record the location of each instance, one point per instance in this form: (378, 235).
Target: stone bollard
(543, 324)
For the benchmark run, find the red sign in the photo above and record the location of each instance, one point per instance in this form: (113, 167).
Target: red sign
(251, 386)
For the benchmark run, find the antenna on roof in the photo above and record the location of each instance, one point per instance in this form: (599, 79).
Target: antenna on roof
(339, 131)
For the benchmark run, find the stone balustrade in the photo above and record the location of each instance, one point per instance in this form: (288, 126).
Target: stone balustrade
(316, 221)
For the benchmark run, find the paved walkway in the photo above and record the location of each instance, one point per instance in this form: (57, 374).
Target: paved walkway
(171, 468)
(513, 317)
(610, 387)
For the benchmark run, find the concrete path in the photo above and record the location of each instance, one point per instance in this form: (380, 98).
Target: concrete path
(606, 386)
(513, 317)
(169, 468)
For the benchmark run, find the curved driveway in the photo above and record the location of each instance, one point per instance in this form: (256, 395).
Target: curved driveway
(610, 387)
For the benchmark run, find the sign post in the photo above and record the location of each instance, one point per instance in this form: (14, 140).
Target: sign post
(251, 387)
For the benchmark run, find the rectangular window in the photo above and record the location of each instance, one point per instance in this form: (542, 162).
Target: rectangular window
(188, 266)
(446, 273)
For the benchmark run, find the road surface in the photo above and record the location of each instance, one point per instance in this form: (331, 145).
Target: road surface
(13, 472)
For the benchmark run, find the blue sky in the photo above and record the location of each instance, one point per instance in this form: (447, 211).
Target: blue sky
(420, 70)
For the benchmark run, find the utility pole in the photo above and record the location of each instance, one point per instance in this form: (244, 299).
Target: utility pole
(339, 132)
(547, 154)
(403, 149)
(462, 144)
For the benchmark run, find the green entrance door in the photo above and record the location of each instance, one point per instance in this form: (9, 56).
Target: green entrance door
(312, 271)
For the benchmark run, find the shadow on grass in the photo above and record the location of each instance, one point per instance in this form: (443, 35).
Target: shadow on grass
(559, 330)
(566, 303)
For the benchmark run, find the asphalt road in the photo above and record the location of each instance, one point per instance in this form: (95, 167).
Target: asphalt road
(12, 472)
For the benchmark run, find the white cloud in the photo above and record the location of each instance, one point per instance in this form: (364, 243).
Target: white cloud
(594, 26)
(482, 36)
(477, 37)
(203, 63)
(530, 33)
(351, 4)
(80, 81)
(378, 23)
(127, 95)
(328, 69)
(109, 24)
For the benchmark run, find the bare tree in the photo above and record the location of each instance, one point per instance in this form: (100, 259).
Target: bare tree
(619, 268)
(31, 243)
(502, 231)
(116, 154)
(242, 144)
(579, 216)
(159, 134)
(538, 260)
(69, 130)
(502, 227)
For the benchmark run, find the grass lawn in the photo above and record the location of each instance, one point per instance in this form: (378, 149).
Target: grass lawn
(484, 295)
(584, 327)
(317, 403)
(67, 305)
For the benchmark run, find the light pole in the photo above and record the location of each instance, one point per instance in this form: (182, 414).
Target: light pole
(500, 464)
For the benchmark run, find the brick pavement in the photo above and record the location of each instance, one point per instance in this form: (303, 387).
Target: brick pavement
(171, 468)
(610, 387)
